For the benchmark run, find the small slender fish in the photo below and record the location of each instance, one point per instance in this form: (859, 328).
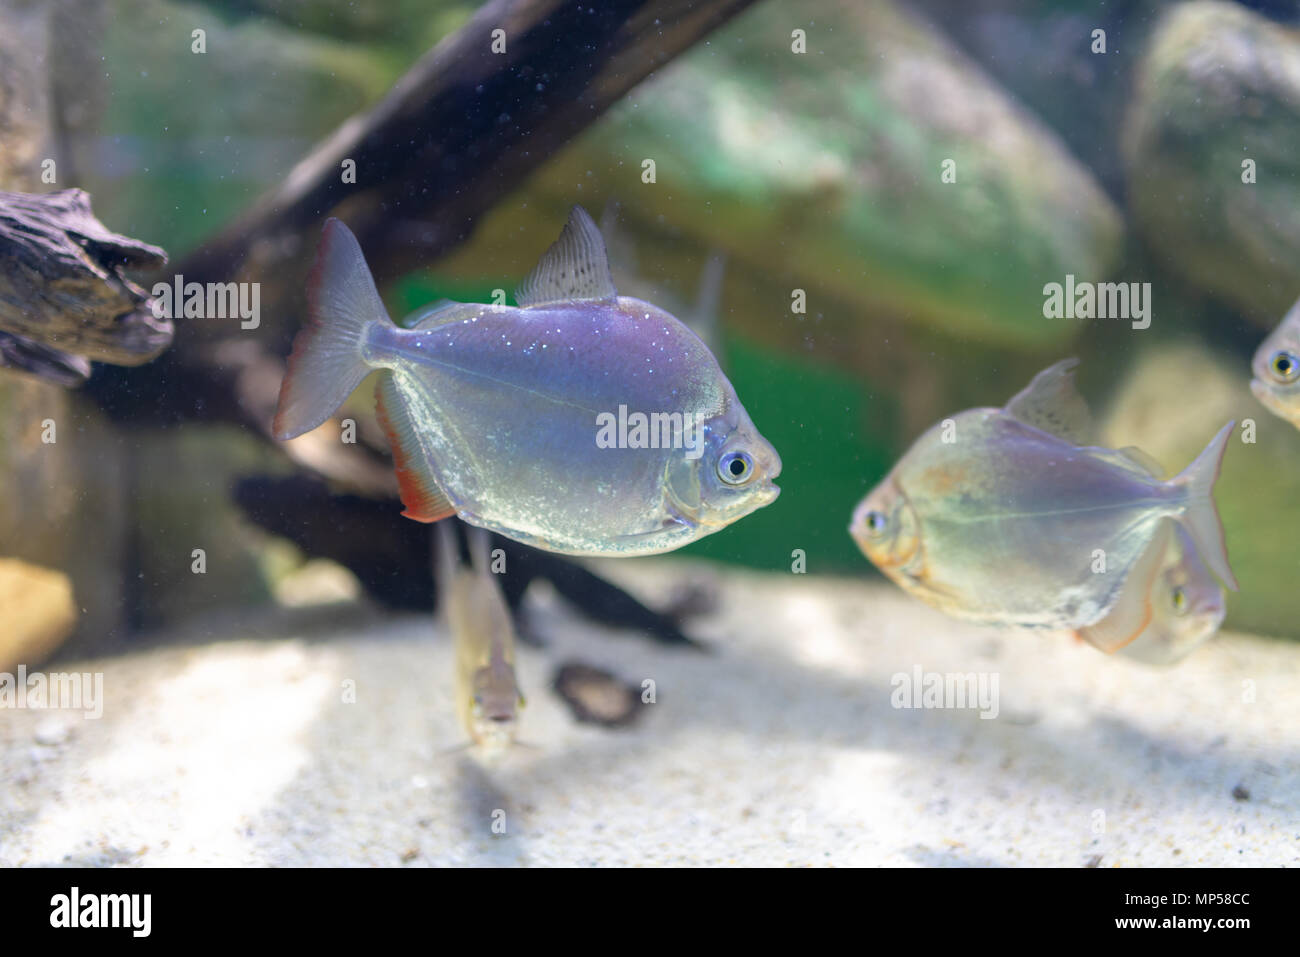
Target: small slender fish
(1170, 604)
(475, 612)
(1277, 369)
(1001, 516)
(581, 422)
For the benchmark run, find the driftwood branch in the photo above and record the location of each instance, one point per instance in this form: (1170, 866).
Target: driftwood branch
(392, 557)
(464, 126)
(63, 297)
(460, 130)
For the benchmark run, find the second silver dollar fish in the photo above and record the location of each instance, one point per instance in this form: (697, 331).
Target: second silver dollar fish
(1012, 517)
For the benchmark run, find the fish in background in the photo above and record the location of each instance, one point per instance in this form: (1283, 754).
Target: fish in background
(1277, 369)
(1170, 604)
(1000, 516)
(475, 613)
(494, 412)
(704, 317)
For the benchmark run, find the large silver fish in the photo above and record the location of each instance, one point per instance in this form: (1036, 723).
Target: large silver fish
(581, 422)
(475, 612)
(1001, 516)
(1169, 605)
(1277, 369)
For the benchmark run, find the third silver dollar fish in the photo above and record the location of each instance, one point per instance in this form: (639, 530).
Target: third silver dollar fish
(581, 422)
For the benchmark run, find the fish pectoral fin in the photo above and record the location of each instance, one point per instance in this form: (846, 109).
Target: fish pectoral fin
(424, 501)
(575, 267)
(1052, 404)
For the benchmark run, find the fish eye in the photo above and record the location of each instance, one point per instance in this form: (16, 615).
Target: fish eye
(1285, 366)
(735, 468)
(1180, 599)
(877, 523)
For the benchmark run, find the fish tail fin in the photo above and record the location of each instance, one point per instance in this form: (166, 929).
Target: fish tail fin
(327, 364)
(1201, 518)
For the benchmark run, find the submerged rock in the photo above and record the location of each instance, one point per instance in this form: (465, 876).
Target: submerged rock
(213, 128)
(1218, 91)
(195, 551)
(36, 612)
(825, 171)
(63, 485)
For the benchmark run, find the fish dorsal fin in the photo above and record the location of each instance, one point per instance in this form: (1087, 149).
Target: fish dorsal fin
(423, 499)
(1291, 320)
(1148, 464)
(575, 267)
(708, 298)
(1051, 403)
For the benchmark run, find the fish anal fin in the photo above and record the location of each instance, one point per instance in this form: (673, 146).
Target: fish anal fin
(1052, 404)
(1132, 612)
(575, 267)
(424, 501)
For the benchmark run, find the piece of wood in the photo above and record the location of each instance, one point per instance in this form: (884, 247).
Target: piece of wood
(32, 358)
(460, 130)
(63, 296)
(391, 556)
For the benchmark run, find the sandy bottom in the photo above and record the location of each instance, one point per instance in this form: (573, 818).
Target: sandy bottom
(781, 746)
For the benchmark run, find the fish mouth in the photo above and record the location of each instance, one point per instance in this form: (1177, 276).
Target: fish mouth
(758, 497)
(1209, 620)
(495, 733)
(1274, 402)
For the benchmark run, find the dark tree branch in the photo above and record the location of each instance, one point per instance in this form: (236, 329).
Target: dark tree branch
(392, 557)
(461, 129)
(62, 291)
(463, 126)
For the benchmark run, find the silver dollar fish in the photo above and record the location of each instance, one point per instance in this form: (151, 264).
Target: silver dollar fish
(475, 612)
(581, 422)
(1002, 516)
(1277, 369)
(1169, 605)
